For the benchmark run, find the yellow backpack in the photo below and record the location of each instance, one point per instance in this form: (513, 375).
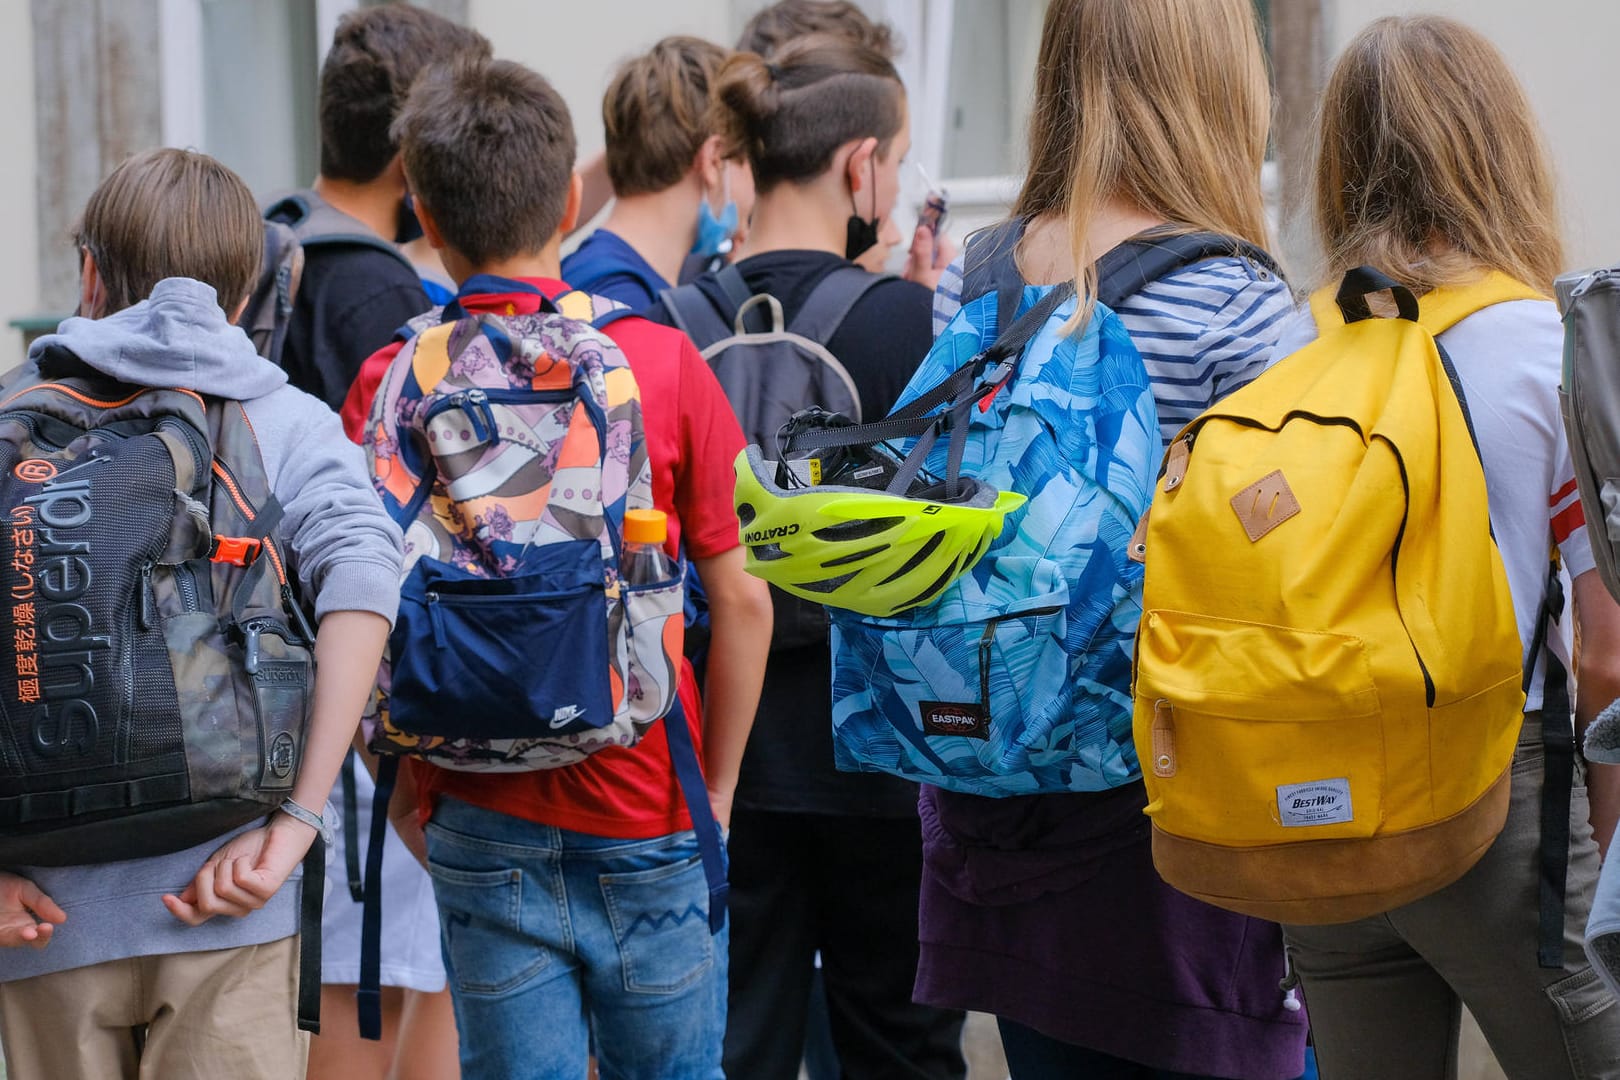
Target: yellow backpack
(1328, 673)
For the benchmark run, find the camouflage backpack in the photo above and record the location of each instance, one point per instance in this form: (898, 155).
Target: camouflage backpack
(156, 679)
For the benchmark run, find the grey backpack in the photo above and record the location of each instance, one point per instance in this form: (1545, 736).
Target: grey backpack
(770, 369)
(293, 224)
(1590, 397)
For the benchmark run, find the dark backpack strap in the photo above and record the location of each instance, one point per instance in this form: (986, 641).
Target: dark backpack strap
(829, 303)
(731, 282)
(1558, 775)
(683, 757)
(1138, 262)
(311, 896)
(317, 223)
(990, 265)
(695, 315)
(351, 830)
(368, 995)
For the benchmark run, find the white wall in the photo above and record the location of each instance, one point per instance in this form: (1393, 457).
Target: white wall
(578, 47)
(1563, 52)
(19, 285)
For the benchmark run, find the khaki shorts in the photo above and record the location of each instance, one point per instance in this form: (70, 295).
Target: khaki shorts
(1385, 994)
(225, 1013)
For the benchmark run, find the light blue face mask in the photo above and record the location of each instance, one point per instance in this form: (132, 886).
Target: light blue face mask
(714, 233)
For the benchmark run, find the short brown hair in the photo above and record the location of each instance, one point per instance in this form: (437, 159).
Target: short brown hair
(790, 114)
(489, 150)
(377, 53)
(790, 20)
(656, 114)
(172, 213)
(1430, 165)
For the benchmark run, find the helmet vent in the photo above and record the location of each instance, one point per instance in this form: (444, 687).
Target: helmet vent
(856, 530)
(830, 585)
(855, 557)
(917, 559)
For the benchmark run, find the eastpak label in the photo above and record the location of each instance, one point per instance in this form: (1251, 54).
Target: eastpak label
(1318, 802)
(969, 721)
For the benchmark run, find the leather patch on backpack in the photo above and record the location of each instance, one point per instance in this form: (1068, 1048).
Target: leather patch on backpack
(1265, 504)
(954, 718)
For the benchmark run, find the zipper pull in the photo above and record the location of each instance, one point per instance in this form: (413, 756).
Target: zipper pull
(148, 614)
(250, 648)
(1290, 984)
(986, 640)
(295, 611)
(436, 617)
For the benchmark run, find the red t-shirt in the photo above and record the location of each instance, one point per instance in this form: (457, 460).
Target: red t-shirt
(692, 440)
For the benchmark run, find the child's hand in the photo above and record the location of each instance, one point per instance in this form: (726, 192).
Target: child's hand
(241, 877)
(930, 254)
(27, 916)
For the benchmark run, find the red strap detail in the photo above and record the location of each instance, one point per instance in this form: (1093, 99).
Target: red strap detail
(236, 550)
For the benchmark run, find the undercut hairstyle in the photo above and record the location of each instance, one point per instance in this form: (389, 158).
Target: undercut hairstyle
(789, 115)
(377, 54)
(489, 150)
(656, 114)
(172, 213)
(790, 20)
(1430, 164)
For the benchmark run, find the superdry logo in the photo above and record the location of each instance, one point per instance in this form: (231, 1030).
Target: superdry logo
(762, 536)
(963, 719)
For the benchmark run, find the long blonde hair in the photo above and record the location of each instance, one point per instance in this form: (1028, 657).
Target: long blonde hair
(1429, 163)
(1165, 104)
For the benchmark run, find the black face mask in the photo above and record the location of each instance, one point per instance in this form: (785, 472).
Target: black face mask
(860, 235)
(407, 227)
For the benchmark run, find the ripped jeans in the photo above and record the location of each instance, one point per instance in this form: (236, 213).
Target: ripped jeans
(556, 942)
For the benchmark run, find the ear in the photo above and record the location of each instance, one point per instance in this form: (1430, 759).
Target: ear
(858, 166)
(91, 293)
(430, 227)
(576, 196)
(709, 164)
(394, 173)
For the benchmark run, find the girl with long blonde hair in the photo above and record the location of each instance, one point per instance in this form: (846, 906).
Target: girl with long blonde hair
(1431, 169)
(1151, 117)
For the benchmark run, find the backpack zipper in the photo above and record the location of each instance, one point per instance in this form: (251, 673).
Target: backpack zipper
(987, 641)
(255, 628)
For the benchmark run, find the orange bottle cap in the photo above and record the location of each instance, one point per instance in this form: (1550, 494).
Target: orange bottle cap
(645, 527)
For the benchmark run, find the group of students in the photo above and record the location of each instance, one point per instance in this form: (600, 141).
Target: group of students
(559, 901)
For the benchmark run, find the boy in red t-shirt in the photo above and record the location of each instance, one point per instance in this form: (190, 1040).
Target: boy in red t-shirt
(572, 900)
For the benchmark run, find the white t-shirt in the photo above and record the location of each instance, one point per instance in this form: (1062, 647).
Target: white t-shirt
(1510, 359)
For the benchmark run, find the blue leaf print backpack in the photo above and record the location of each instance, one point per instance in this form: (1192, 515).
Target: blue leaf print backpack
(1017, 679)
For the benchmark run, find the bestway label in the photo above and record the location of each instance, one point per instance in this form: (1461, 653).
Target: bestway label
(1319, 802)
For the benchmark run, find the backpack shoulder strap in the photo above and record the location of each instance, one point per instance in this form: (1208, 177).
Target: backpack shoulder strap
(990, 265)
(694, 314)
(316, 222)
(829, 303)
(1138, 262)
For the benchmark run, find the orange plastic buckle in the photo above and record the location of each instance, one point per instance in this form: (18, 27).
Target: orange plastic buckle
(236, 550)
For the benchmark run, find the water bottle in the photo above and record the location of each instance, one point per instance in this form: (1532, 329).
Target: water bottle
(644, 560)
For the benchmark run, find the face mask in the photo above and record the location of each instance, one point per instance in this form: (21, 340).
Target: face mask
(407, 227)
(861, 234)
(714, 233)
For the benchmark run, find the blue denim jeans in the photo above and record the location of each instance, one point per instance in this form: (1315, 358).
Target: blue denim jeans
(555, 941)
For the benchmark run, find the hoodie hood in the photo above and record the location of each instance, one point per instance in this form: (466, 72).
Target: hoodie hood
(176, 338)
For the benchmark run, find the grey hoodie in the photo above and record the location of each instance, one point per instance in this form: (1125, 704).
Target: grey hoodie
(344, 547)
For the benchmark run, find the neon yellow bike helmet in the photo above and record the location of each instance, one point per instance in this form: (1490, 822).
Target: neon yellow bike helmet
(862, 549)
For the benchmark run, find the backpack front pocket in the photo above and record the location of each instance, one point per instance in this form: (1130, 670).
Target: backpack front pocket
(503, 658)
(1264, 734)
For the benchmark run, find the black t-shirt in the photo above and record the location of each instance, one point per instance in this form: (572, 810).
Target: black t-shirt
(350, 301)
(788, 766)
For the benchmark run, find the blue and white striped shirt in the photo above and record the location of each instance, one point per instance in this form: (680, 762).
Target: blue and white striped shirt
(1203, 331)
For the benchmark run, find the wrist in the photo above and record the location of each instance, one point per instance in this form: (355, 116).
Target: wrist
(294, 814)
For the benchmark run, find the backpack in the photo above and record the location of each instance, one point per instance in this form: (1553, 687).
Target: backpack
(1329, 677)
(292, 225)
(1016, 679)
(508, 448)
(1590, 303)
(770, 370)
(159, 663)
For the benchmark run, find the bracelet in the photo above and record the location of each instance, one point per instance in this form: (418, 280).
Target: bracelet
(308, 817)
